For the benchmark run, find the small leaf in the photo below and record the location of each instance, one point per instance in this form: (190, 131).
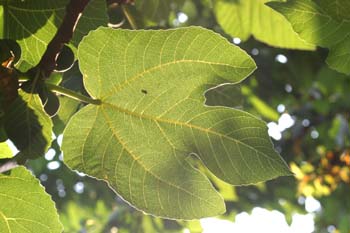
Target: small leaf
(5, 150)
(66, 110)
(72, 79)
(139, 143)
(225, 95)
(65, 59)
(25, 206)
(326, 27)
(34, 23)
(52, 105)
(245, 18)
(28, 126)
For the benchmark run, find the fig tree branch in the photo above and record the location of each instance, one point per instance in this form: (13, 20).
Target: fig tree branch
(63, 35)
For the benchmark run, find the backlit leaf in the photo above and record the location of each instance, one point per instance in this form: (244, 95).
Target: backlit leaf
(33, 23)
(338, 9)
(229, 95)
(67, 108)
(152, 117)
(25, 206)
(28, 126)
(5, 151)
(245, 18)
(327, 27)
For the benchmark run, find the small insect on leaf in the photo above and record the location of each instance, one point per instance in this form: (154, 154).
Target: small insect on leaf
(144, 91)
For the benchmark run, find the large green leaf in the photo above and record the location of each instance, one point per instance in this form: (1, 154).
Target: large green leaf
(245, 18)
(25, 206)
(28, 126)
(152, 117)
(33, 23)
(327, 27)
(338, 9)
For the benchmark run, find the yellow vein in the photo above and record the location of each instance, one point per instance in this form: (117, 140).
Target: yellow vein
(121, 86)
(136, 159)
(6, 221)
(186, 124)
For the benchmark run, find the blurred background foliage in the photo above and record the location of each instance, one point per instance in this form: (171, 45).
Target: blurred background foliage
(305, 104)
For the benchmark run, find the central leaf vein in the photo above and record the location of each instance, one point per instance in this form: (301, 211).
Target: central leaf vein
(136, 159)
(186, 124)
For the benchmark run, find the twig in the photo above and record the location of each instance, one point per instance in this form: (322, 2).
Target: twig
(129, 17)
(63, 35)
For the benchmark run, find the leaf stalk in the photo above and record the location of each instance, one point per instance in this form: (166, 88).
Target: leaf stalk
(72, 94)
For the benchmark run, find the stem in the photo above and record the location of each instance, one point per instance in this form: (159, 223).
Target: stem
(72, 94)
(129, 17)
(23, 78)
(36, 78)
(63, 35)
(8, 165)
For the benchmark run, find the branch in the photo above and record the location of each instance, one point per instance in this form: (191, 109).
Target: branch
(129, 17)
(63, 35)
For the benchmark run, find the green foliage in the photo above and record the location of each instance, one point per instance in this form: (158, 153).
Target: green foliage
(146, 104)
(245, 18)
(67, 109)
(337, 9)
(157, 10)
(93, 219)
(228, 95)
(5, 150)
(260, 106)
(157, 113)
(28, 126)
(25, 207)
(33, 24)
(324, 24)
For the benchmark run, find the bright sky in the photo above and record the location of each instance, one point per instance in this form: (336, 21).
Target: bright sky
(262, 221)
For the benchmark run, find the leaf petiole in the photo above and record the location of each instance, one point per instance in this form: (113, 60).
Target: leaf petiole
(72, 94)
